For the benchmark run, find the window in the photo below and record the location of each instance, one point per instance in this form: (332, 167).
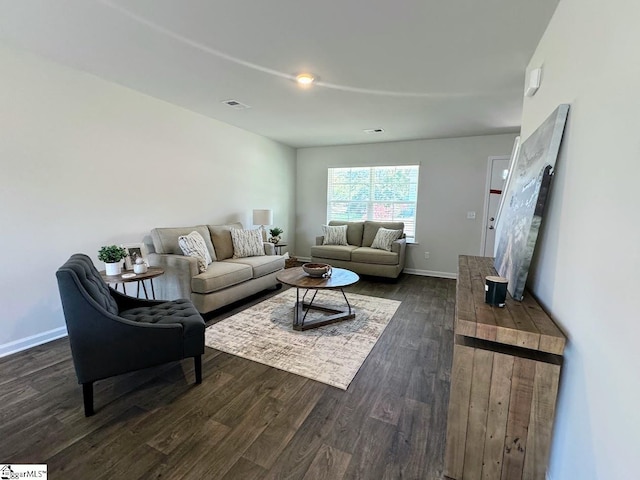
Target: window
(386, 194)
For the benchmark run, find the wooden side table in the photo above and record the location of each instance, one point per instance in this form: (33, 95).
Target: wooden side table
(151, 273)
(278, 247)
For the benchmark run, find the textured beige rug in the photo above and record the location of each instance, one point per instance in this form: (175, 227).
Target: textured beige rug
(332, 354)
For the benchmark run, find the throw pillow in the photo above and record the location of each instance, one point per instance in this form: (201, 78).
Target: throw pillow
(246, 243)
(384, 238)
(193, 245)
(334, 234)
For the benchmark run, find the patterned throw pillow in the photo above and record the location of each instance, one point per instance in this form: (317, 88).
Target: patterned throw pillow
(334, 234)
(246, 243)
(193, 245)
(385, 238)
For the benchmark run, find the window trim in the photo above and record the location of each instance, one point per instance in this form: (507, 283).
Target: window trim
(370, 203)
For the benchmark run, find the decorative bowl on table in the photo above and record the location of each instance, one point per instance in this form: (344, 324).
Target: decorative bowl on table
(317, 269)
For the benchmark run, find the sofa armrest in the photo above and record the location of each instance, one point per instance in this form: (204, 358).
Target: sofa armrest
(319, 240)
(269, 248)
(400, 247)
(178, 272)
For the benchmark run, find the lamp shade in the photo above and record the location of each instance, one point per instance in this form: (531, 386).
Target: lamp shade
(263, 217)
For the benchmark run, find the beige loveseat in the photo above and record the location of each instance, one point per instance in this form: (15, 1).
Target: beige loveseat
(226, 279)
(358, 256)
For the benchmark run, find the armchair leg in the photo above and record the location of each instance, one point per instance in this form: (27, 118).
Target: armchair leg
(198, 367)
(87, 394)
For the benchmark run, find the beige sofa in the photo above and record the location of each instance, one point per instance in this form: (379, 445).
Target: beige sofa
(226, 280)
(358, 256)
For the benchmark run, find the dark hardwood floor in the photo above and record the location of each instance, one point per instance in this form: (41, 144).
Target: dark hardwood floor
(246, 421)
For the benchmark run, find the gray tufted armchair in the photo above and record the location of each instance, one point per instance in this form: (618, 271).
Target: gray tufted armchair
(111, 333)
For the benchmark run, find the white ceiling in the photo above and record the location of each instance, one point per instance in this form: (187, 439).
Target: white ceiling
(416, 68)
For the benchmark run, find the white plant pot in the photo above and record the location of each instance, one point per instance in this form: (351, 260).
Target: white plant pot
(112, 268)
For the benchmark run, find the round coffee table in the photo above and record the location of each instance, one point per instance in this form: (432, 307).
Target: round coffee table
(340, 278)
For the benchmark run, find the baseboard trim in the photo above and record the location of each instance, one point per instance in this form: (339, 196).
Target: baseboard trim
(302, 259)
(32, 341)
(430, 273)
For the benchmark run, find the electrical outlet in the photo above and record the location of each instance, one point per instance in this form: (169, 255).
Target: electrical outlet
(471, 215)
(426, 255)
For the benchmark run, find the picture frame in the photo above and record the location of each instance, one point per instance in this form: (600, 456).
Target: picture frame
(525, 199)
(134, 250)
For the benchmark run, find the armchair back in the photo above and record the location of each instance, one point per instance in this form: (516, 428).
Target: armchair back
(79, 278)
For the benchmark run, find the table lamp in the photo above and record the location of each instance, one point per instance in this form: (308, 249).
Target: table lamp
(263, 217)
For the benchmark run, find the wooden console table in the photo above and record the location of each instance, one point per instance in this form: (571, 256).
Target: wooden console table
(504, 383)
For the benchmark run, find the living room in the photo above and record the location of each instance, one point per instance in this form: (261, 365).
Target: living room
(88, 162)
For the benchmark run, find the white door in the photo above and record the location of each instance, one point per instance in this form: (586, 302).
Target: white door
(496, 178)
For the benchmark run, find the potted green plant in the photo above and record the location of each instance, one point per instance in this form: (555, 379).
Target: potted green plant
(275, 233)
(112, 255)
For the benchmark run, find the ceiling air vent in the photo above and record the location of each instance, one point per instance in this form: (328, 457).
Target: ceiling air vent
(236, 104)
(374, 130)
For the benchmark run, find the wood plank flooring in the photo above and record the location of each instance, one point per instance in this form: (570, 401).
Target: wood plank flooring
(246, 421)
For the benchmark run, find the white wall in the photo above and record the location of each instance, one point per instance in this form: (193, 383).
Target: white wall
(587, 269)
(452, 182)
(85, 163)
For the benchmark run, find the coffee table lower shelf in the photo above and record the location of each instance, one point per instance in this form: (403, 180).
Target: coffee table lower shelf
(299, 320)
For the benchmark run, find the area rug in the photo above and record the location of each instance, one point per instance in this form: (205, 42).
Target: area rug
(332, 354)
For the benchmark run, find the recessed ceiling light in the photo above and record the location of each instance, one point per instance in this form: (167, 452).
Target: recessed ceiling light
(236, 104)
(305, 79)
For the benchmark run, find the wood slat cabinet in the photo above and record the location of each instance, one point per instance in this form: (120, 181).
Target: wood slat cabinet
(504, 383)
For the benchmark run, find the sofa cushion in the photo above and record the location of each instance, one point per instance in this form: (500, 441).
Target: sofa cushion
(261, 266)
(179, 311)
(385, 238)
(246, 243)
(221, 239)
(371, 228)
(334, 234)
(165, 240)
(193, 245)
(220, 275)
(374, 256)
(335, 252)
(354, 231)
